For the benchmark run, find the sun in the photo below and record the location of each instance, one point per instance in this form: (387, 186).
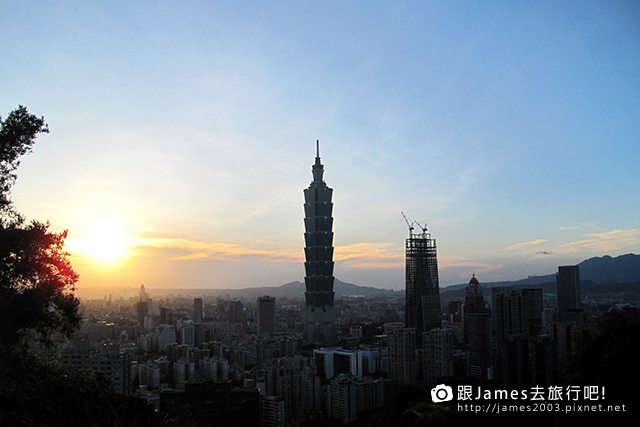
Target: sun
(105, 241)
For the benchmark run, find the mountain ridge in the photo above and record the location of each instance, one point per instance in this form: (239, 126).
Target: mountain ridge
(599, 270)
(622, 269)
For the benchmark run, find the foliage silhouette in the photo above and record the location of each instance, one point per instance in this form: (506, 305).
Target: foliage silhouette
(36, 277)
(17, 136)
(36, 394)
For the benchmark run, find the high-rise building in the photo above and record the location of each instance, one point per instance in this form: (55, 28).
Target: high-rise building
(236, 312)
(320, 327)
(510, 311)
(107, 360)
(473, 304)
(324, 361)
(438, 356)
(272, 411)
(186, 333)
(266, 315)
(142, 311)
(569, 300)
(342, 401)
(401, 356)
(166, 316)
(345, 362)
(197, 309)
(535, 307)
(422, 298)
(479, 348)
(143, 293)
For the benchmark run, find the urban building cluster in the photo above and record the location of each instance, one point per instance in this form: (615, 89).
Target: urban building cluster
(250, 354)
(271, 362)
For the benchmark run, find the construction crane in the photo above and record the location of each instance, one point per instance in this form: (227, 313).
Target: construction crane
(410, 225)
(424, 228)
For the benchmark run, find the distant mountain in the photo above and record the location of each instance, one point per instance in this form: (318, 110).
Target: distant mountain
(621, 269)
(594, 273)
(606, 269)
(339, 287)
(291, 290)
(598, 274)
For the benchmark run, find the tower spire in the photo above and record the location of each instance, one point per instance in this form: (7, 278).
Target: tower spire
(317, 169)
(320, 327)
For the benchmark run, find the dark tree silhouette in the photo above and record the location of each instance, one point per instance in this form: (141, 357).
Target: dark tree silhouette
(37, 283)
(36, 277)
(18, 133)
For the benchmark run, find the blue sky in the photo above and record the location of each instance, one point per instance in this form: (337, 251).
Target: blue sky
(511, 128)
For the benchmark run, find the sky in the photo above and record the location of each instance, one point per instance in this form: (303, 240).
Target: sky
(182, 134)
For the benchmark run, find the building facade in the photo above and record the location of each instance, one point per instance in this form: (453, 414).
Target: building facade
(437, 356)
(266, 315)
(422, 311)
(569, 299)
(402, 361)
(320, 327)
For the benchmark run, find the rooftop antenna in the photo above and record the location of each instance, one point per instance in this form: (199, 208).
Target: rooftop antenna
(317, 148)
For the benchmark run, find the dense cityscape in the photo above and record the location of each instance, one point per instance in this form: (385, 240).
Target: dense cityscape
(321, 359)
(173, 252)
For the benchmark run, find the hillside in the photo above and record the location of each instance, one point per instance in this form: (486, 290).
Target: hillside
(599, 275)
(288, 290)
(606, 269)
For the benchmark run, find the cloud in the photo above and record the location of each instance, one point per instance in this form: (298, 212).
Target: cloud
(585, 225)
(370, 255)
(525, 245)
(186, 250)
(602, 242)
(359, 255)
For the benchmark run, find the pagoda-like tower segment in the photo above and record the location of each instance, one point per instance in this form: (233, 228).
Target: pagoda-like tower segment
(320, 320)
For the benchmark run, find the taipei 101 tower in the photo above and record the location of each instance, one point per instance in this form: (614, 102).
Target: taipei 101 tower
(320, 328)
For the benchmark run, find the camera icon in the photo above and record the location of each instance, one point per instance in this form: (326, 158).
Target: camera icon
(441, 393)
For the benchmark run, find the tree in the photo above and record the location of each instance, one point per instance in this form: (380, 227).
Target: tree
(17, 136)
(36, 277)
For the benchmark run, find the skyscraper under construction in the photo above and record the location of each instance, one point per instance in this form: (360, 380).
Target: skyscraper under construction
(320, 327)
(422, 293)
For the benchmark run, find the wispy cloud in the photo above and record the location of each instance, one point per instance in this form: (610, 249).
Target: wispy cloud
(605, 241)
(370, 255)
(185, 250)
(591, 242)
(359, 255)
(585, 225)
(525, 245)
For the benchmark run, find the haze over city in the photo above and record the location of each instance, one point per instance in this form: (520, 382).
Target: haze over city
(183, 134)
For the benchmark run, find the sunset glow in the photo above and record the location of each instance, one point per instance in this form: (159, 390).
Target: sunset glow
(104, 242)
(186, 133)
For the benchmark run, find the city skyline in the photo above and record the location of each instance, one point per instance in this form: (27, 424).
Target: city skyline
(181, 135)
